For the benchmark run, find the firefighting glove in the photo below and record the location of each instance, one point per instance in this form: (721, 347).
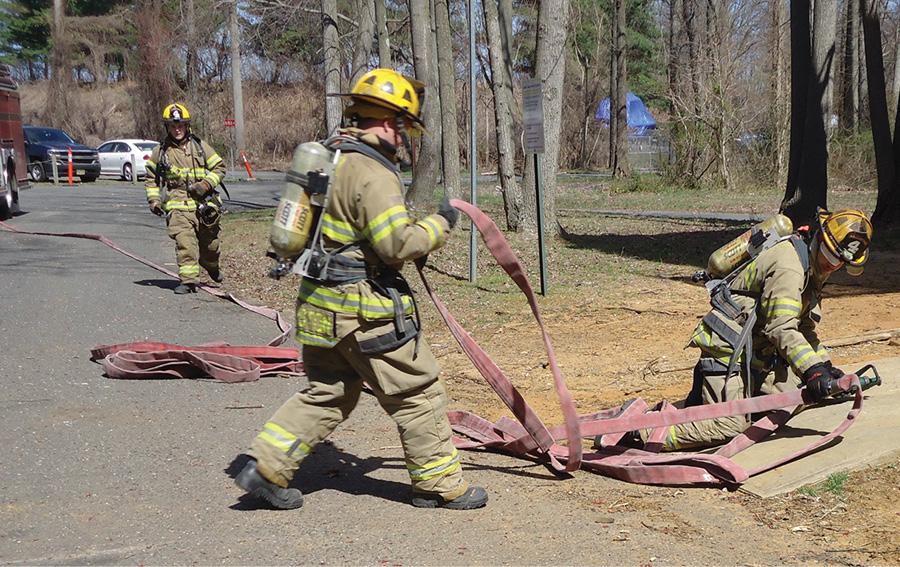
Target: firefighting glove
(156, 209)
(449, 212)
(818, 381)
(198, 190)
(421, 261)
(836, 372)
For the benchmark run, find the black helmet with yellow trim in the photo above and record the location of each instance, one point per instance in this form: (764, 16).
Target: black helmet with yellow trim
(847, 233)
(384, 93)
(176, 114)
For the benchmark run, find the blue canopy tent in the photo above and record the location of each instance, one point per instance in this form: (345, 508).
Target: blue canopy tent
(639, 119)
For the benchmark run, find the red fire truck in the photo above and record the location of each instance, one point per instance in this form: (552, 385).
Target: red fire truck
(13, 166)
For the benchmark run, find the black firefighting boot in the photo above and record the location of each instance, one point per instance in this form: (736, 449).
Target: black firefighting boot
(474, 497)
(216, 276)
(185, 288)
(257, 485)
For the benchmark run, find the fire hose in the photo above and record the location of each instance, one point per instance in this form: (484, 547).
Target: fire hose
(527, 434)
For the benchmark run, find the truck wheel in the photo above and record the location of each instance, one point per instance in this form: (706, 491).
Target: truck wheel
(9, 203)
(37, 172)
(127, 172)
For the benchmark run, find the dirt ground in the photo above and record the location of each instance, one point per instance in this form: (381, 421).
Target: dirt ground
(615, 342)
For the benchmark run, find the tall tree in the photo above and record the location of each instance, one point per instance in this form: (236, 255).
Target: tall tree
(381, 32)
(550, 68)
(887, 208)
(447, 88)
(808, 168)
(503, 120)
(237, 86)
(427, 164)
(618, 102)
(332, 60)
(56, 113)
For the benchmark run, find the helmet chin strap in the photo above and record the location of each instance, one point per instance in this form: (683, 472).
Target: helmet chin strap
(404, 137)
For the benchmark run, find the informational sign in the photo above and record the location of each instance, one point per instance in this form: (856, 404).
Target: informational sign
(229, 123)
(533, 115)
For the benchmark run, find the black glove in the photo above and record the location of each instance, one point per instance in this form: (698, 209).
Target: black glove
(818, 381)
(420, 261)
(449, 212)
(198, 190)
(835, 372)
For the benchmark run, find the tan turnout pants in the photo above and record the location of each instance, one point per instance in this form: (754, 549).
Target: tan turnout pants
(711, 432)
(336, 376)
(195, 245)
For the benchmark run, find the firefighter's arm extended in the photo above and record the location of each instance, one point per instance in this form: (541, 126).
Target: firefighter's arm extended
(387, 226)
(153, 181)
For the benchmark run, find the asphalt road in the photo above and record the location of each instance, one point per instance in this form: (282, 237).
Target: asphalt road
(99, 471)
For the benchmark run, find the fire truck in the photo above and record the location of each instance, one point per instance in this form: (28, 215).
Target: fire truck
(13, 165)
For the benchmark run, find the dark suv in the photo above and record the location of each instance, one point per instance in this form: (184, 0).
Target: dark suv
(42, 143)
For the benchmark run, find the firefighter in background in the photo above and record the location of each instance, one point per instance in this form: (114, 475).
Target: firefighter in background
(777, 295)
(357, 319)
(182, 175)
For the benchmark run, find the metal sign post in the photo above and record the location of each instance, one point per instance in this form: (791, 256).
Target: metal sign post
(533, 115)
(230, 125)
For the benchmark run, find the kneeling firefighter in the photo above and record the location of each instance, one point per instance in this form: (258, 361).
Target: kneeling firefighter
(760, 337)
(356, 316)
(182, 175)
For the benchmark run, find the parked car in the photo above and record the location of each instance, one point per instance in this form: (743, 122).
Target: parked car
(125, 158)
(42, 143)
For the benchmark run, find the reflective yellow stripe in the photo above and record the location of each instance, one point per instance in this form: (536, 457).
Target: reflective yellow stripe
(277, 436)
(333, 300)
(384, 224)
(432, 470)
(779, 307)
(434, 230)
(186, 205)
(188, 270)
(800, 355)
(339, 231)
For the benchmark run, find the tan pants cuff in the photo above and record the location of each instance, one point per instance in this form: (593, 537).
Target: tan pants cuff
(271, 475)
(463, 487)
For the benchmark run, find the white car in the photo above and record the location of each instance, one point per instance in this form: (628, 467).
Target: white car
(125, 158)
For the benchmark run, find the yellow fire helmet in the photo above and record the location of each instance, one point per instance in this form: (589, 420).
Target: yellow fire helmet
(847, 233)
(384, 93)
(176, 114)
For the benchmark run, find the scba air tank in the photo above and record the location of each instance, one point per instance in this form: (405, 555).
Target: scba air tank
(724, 260)
(294, 216)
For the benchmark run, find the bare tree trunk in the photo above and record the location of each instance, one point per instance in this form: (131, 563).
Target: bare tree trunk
(192, 66)
(365, 19)
(780, 118)
(427, 165)
(512, 196)
(849, 89)
(550, 68)
(887, 207)
(155, 85)
(330, 40)
(811, 187)
(449, 128)
(621, 167)
(384, 44)
(237, 88)
(57, 109)
(613, 92)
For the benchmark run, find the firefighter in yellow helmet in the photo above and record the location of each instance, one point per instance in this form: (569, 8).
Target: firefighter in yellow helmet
(182, 175)
(356, 316)
(778, 295)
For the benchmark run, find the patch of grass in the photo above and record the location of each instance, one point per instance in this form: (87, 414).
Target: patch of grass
(835, 483)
